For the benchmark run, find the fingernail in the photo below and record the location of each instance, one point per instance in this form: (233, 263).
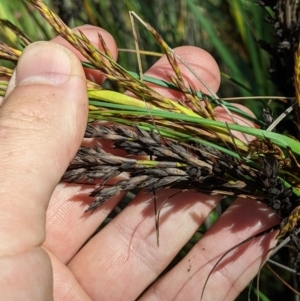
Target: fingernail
(44, 62)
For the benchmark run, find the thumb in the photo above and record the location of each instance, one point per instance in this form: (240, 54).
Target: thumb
(42, 122)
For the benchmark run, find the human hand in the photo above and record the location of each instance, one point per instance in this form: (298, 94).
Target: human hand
(44, 230)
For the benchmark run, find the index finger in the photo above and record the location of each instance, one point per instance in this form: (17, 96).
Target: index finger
(92, 33)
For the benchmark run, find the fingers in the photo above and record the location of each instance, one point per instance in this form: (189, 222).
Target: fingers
(68, 225)
(126, 249)
(203, 64)
(67, 212)
(42, 122)
(243, 219)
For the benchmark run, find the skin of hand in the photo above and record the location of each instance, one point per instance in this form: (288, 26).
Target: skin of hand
(44, 253)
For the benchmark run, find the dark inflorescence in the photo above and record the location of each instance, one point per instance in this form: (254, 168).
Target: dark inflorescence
(286, 24)
(191, 166)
